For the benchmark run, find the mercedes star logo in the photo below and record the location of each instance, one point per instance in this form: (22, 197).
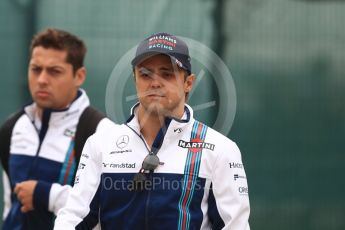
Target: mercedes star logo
(122, 141)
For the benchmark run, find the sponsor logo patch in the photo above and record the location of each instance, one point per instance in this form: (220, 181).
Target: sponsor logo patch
(68, 133)
(235, 165)
(236, 177)
(122, 141)
(178, 130)
(81, 166)
(243, 190)
(121, 151)
(195, 145)
(119, 166)
(76, 181)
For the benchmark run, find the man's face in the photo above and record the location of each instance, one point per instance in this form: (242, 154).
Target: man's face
(52, 82)
(161, 86)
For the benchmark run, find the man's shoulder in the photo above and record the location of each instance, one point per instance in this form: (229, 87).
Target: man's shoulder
(219, 139)
(5, 137)
(109, 127)
(214, 134)
(106, 131)
(11, 120)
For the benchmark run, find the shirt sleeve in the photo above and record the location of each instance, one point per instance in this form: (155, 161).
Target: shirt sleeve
(86, 183)
(58, 197)
(7, 195)
(230, 189)
(41, 195)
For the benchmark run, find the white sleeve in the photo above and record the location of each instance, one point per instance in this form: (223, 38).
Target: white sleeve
(230, 188)
(85, 186)
(58, 197)
(7, 195)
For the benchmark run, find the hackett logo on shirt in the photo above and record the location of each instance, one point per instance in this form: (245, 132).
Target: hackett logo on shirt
(195, 145)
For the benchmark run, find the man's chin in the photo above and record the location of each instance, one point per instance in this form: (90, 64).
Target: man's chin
(44, 104)
(156, 108)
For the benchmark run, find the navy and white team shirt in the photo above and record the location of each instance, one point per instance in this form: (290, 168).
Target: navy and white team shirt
(43, 150)
(200, 184)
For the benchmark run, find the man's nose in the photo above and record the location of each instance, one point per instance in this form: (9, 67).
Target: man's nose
(43, 77)
(156, 80)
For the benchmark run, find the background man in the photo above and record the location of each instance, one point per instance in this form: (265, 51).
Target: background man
(162, 169)
(41, 145)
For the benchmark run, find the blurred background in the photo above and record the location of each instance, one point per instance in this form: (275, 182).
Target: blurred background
(287, 59)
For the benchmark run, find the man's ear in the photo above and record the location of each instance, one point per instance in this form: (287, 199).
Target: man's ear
(80, 76)
(188, 83)
(133, 73)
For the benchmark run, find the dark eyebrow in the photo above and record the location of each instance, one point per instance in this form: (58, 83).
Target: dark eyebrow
(166, 69)
(56, 67)
(49, 67)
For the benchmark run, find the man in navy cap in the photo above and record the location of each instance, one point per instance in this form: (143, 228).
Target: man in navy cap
(162, 169)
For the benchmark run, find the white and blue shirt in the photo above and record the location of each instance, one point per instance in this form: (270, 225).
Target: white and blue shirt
(42, 150)
(200, 184)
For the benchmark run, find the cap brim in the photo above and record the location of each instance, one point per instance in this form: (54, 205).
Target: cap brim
(142, 57)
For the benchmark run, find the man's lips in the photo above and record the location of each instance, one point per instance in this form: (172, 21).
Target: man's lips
(155, 95)
(42, 93)
(152, 93)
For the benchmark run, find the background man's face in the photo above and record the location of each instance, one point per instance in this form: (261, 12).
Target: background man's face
(52, 82)
(160, 85)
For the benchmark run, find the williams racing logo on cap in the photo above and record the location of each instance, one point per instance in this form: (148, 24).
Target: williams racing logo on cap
(195, 145)
(162, 42)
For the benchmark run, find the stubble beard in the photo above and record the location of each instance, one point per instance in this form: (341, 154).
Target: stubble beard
(158, 109)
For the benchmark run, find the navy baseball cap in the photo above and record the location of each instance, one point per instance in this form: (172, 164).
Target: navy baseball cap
(164, 43)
